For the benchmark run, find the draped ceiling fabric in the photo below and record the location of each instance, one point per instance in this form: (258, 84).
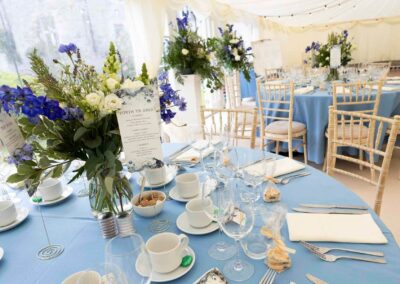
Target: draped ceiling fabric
(374, 26)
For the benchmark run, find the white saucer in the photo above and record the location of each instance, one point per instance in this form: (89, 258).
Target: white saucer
(171, 173)
(173, 193)
(182, 222)
(1, 253)
(165, 277)
(67, 191)
(22, 213)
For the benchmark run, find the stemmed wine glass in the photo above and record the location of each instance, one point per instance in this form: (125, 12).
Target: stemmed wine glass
(219, 196)
(237, 221)
(129, 254)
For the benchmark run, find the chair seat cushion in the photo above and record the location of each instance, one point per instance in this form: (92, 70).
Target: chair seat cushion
(347, 132)
(281, 127)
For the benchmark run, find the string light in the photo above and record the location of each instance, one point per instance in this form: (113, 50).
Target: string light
(324, 7)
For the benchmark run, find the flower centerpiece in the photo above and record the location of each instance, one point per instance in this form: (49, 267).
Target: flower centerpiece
(311, 52)
(73, 117)
(231, 52)
(322, 51)
(187, 53)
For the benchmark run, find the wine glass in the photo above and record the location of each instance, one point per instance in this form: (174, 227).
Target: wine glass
(219, 197)
(197, 134)
(129, 254)
(237, 222)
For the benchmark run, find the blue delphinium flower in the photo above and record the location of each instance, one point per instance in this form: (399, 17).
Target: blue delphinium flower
(67, 48)
(308, 49)
(184, 21)
(31, 106)
(169, 99)
(52, 110)
(25, 153)
(72, 113)
(345, 33)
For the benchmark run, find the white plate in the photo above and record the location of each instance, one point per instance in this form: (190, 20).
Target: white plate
(66, 193)
(165, 277)
(1, 253)
(182, 222)
(171, 173)
(22, 213)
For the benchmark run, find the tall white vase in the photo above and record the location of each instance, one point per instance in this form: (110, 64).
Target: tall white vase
(191, 91)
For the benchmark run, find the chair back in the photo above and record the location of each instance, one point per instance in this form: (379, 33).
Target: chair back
(242, 123)
(275, 102)
(232, 90)
(336, 138)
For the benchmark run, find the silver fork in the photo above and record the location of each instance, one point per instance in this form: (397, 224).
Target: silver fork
(326, 249)
(332, 258)
(286, 180)
(268, 277)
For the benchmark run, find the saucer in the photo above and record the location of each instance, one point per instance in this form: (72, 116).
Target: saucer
(67, 191)
(171, 173)
(165, 277)
(173, 193)
(182, 222)
(22, 213)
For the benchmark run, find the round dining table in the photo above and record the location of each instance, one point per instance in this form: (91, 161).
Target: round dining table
(71, 224)
(312, 110)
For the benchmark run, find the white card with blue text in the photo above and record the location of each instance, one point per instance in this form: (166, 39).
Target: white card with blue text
(10, 134)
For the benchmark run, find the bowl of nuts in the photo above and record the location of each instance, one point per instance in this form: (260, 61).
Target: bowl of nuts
(150, 204)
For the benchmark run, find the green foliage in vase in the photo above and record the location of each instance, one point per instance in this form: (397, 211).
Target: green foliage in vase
(187, 53)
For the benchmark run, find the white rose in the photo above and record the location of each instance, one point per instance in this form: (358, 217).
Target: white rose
(95, 99)
(112, 103)
(234, 41)
(111, 84)
(237, 58)
(185, 51)
(235, 51)
(129, 84)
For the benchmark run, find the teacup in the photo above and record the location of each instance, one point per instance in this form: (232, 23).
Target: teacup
(8, 213)
(87, 277)
(187, 185)
(195, 210)
(50, 189)
(155, 176)
(166, 251)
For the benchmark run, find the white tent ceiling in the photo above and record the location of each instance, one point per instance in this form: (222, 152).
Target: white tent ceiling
(308, 12)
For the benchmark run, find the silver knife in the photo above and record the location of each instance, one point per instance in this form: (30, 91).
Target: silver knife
(255, 162)
(314, 279)
(179, 151)
(332, 206)
(330, 211)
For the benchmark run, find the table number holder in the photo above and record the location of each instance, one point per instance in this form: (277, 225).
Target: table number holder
(51, 250)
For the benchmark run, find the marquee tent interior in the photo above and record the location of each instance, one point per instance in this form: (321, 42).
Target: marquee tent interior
(199, 141)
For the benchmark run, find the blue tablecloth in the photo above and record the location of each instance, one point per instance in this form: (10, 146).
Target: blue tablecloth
(72, 225)
(312, 110)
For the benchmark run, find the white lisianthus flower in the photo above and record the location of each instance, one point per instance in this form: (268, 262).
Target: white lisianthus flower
(234, 41)
(112, 84)
(327, 58)
(237, 58)
(129, 84)
(95, 99)
(185, 51)
(112, 103)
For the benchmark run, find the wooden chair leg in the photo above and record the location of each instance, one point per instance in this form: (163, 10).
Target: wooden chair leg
(361, 157)
(290, 146)
(305, 148)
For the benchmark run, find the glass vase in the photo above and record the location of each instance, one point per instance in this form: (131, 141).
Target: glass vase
(115, 202)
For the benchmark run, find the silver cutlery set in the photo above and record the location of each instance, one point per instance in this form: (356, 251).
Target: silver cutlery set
(321, 253)
(268, 277)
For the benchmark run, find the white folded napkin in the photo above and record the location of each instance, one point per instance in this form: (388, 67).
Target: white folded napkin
(340, 228)
(388, 88)
(279, 167)
(393, 82)
(304, 90)
(193, 155)
(341, 90)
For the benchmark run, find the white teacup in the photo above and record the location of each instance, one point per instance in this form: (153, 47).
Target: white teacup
(8, 213)
(195, 211)
(187, 185)
(87, 277)
(155, 176)
(50, 189)
(166, 251)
